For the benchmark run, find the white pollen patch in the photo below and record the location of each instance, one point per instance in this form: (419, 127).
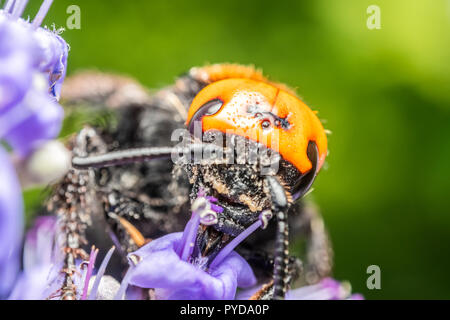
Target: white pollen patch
(241, 101)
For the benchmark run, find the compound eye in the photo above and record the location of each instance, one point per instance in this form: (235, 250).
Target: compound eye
(208, 109)
(212, 107)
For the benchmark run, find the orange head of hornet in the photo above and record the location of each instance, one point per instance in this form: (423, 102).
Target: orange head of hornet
(265, 113)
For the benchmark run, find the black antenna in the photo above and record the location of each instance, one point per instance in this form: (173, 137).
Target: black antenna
(139, 155)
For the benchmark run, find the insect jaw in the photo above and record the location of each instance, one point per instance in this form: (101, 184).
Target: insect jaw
(212, 243)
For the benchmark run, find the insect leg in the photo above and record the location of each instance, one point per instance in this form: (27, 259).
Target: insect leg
(73, 202)
(280, 207)
(266, 292)
(132, 222)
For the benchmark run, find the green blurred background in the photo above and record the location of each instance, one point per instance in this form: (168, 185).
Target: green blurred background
(384, 94)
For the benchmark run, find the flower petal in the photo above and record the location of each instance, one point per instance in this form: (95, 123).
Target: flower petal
(39, 243)
(32, 285)
(326, 289)
(17, 56)
(161, 268)
(11, 223)
(241, 269)
(35, 120)
(53, 58)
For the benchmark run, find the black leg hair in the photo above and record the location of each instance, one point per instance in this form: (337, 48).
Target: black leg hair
(295, 267)
(280, 207)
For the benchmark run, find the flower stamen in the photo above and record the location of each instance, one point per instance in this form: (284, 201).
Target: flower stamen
(124, 285)
(19, 8)
(261, 222)
(208, 217)
(189, 237)
(92, 257)
(203, 212)
(43, 10)
(100, 273)
(9, 6)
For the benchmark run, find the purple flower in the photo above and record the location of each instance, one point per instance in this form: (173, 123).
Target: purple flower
(166, 264)
(33, 121)
(16, 61)
(11, 223)
(160, 267)
(26, 46)
(326, 289)
(42, 262)
(32, 67)
(43, 257)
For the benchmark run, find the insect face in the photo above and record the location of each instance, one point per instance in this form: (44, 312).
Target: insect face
(261, 112)
(238, 111)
